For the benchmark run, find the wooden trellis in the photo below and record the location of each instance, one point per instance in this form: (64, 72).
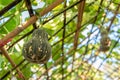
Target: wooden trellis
(84, 73)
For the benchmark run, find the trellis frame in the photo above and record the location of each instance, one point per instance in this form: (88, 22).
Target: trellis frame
(33, 19)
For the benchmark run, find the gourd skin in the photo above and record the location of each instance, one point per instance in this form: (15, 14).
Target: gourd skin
(37, 49)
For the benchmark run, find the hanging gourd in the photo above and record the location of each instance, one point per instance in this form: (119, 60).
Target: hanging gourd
(37, 49)
(105, 40)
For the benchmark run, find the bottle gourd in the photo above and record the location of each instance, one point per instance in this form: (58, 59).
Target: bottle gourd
(37, 49)
(104, 41)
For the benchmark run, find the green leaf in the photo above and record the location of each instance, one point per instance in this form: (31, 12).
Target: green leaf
(5, 2)
(9, 26)
(117, 1)
(1, 60)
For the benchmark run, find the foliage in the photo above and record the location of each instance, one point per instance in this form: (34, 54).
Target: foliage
(66, 62)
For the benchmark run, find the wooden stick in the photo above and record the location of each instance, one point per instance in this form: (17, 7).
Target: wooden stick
(79, 21)
(12, 63)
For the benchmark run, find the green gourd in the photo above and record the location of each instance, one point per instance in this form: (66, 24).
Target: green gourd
(37, 49)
